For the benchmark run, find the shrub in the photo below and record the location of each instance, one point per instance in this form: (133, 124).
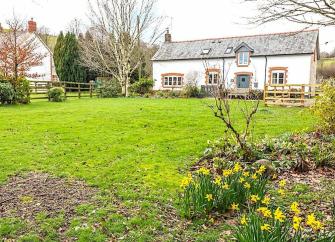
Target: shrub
(324, 107)
(190, 90)
(142, 86)
(7, 93)
(56, 94)
(109, 88)
(22, 92)
(204, 192)
(256, 94)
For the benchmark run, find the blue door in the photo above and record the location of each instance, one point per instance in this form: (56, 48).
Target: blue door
(243, 81)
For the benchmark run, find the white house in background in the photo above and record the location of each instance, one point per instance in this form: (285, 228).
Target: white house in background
(240, 62)
(46, 71)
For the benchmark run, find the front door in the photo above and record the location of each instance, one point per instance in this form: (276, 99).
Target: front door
(243, 81)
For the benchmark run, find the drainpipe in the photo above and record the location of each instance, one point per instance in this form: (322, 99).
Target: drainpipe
(223, 74)
(265, 71)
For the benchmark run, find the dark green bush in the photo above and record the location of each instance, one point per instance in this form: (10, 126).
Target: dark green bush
(56, 94)
(108, 88)
(7, 93)
(190, 90)
(142, 86)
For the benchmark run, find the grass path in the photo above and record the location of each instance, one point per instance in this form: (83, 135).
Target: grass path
(139, 148)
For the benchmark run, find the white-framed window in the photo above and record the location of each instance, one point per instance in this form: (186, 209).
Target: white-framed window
(243, 58)
(278, 77)
(213, 78)
(173, 81)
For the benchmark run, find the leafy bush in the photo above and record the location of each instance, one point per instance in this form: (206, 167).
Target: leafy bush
(22, 91)
(142, 86)
(108, 88)
(324, 107)
(56, 94)
(190, 90)
(205, 192)
(256, 94)
(7, 93)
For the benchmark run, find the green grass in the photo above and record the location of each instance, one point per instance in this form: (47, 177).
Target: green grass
(138, 149)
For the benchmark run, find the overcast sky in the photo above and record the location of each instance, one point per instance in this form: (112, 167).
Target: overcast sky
(189, 19)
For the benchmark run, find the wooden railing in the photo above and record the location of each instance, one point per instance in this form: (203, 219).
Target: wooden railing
(291, 94)
(39, 89)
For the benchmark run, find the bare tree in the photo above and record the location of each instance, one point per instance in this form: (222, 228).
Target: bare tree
(310, 12)
(18, 51)
(115, 31)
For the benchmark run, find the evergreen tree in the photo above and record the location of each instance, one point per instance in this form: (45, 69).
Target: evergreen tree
(67, 59)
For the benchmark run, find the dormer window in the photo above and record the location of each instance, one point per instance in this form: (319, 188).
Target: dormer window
(243, 58)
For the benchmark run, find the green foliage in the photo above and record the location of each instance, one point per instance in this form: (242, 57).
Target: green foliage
(67, 59)
(324, 107)
(142, 86)
(22, 91)
(190, 90)
(56, 94)
(108, 88)
(7, 93)
(9, 227)
(204, 192)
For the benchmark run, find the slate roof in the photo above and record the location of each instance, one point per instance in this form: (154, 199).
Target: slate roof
(302, 42)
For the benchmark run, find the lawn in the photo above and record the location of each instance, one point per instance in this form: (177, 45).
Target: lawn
(134, 150)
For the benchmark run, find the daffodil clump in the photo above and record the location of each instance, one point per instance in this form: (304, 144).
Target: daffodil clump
(275, 224)
(204, 191)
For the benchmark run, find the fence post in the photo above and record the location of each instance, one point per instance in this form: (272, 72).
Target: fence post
(79, 93)
(91, 89)
(65, 90)
(265, 95)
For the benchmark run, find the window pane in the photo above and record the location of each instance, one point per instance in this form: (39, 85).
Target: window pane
(175, 81)
(166, 81)
(210, 78)
(274, 78)
(215, 79)
(170, 81)
(179, 81)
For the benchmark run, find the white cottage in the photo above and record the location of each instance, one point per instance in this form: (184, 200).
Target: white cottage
(244, 62)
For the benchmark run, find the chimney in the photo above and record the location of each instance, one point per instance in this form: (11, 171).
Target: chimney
(168, 37)
(32, 26)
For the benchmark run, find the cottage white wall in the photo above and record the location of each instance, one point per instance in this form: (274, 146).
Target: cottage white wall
(44, 71)
(299, 67)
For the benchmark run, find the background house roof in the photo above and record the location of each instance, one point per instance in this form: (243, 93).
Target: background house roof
(302, 42)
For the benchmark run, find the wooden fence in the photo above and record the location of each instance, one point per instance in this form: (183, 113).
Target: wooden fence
(291, 94)
(39, 89)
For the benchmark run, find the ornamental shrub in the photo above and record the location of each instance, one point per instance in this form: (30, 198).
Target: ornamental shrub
(22, 92)
(108, 88)
(7, 93)
(324, 107)
(203, 192)
(142, 86)
(56, 94)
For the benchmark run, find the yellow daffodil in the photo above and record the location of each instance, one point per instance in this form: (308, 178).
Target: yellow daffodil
(228, 172)
(254, 198)
(203, 171)
(281, 192)
(242, 180)
(209, 197)
(295, 208)
(282, 183)
(186, 181)
(265, 212)
(266, 200)
(313, 223)
(279, 215)
(218, 181)
(261, 170)
(266, 227)
(225, 186)
(244, 220)
(235, 207)
(237, 167)
(246, 174)
(254, 176)
(247, 185)
(296, 223)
